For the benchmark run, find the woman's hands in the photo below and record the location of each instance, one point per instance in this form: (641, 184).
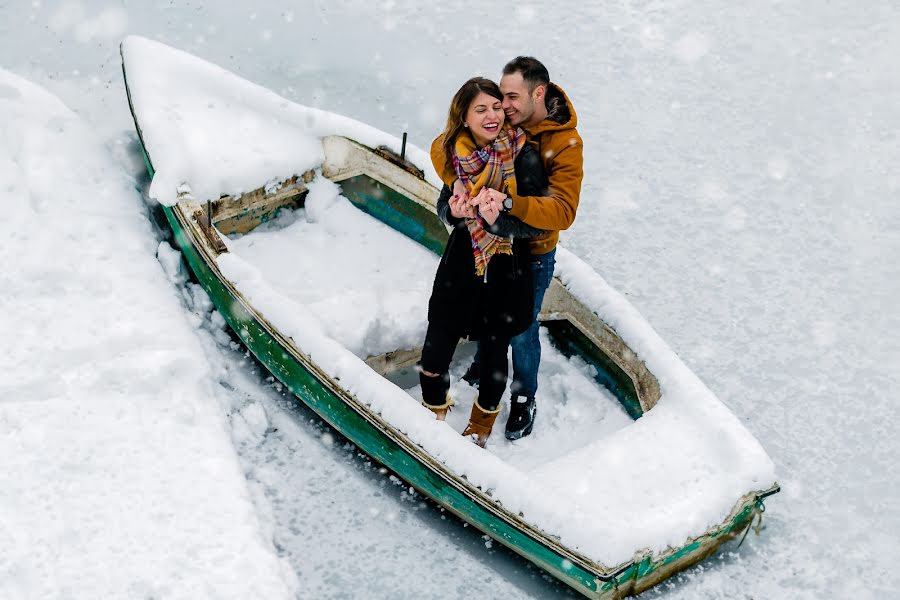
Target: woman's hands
(488, 202)
(459, 202)
(460, 207)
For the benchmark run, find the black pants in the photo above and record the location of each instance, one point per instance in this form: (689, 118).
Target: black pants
(437, 352)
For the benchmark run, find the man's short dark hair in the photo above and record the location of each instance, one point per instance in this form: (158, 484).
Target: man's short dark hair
(533, 71)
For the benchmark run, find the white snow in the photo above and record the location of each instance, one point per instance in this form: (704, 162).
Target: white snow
(249, 133)
(787, 319)
(110, 23)
(119, 478)
(692, 46)
(367, 294)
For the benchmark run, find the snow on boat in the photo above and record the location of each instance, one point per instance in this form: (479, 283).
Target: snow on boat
(316, 239)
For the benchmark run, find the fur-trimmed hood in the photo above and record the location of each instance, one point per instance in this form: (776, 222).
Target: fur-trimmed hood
(560, 112)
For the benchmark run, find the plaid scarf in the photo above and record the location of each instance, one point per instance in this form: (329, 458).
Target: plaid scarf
(493, 167)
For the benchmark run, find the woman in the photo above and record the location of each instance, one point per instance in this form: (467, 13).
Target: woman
(482, 288)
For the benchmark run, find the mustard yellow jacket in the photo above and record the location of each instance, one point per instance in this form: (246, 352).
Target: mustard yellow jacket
(557, 141)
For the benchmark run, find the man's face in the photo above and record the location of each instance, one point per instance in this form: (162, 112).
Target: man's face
(518, 103)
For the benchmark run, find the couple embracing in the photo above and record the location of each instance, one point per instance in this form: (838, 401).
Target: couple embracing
(511, 159)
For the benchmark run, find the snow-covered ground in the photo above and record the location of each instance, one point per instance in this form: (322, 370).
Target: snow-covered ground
(118, 472)
(740, 189)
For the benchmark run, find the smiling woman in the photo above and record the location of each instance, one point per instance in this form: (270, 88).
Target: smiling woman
(484, 118)
(475, 106)
(482, 289)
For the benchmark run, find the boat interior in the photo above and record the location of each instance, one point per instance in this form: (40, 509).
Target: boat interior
(383, 185)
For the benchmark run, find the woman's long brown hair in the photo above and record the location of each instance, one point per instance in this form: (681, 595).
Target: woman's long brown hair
(459, 106)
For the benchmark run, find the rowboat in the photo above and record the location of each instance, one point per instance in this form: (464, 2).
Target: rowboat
(612, 515)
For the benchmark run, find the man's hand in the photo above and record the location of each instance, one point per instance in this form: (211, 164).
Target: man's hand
(496, 198)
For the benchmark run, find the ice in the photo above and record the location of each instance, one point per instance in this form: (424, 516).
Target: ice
(692, 47)
(652, 36)
(67, 15)
(525, 13)
(111, 24)
(71, 16)
(777, 168)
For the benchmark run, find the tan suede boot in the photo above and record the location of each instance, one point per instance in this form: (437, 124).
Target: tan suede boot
(480, 423)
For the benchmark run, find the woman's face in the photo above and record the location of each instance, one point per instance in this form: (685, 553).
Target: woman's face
(485, 118)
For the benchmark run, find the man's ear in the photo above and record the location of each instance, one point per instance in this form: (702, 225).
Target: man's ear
(539, 92)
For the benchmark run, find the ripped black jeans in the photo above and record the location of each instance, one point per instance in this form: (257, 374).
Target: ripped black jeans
(437, 352)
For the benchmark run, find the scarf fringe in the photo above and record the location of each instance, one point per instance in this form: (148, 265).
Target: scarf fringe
(481, 266)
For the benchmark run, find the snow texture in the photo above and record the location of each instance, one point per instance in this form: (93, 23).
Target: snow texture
(251, 134)
(119, 478)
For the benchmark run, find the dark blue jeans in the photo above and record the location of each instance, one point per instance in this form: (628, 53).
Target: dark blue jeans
(526, 347)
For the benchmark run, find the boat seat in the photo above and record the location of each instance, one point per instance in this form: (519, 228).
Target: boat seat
(394, 360)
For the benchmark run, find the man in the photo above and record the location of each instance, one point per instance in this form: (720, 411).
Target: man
(543, 110)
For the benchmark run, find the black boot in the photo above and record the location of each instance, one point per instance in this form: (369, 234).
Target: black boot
(436, 394)
(521, 417)
(472, 374)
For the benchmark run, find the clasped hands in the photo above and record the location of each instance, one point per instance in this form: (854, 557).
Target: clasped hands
(488, 203)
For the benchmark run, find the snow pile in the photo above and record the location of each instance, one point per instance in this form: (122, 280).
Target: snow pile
(363, 295)
(214, 117)
(119, 478)
(669, 476)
